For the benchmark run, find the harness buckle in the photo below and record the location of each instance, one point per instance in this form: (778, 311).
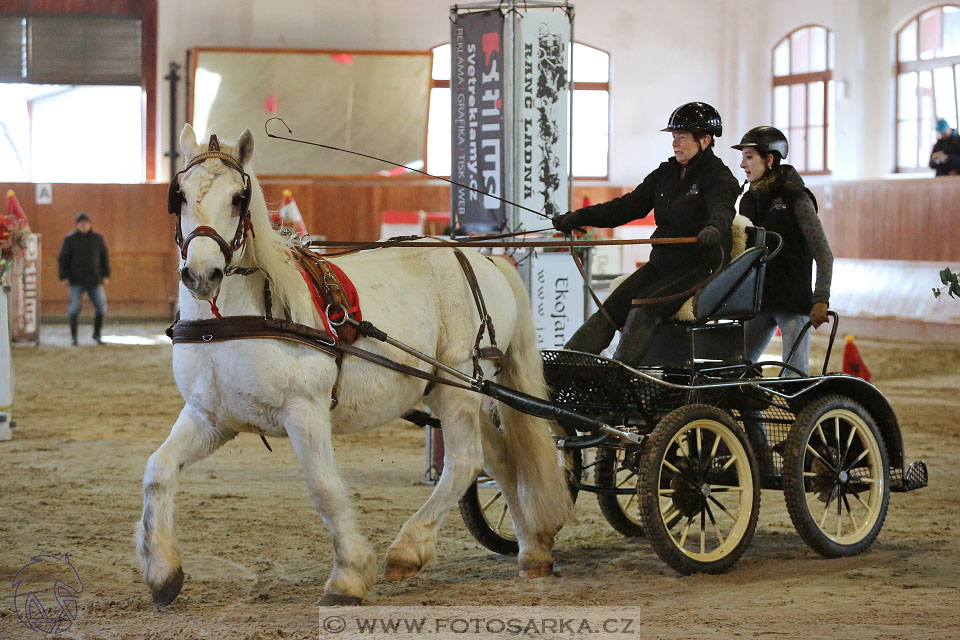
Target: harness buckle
(332, 343)
(330, 318)
(207, 337)
(330, 281)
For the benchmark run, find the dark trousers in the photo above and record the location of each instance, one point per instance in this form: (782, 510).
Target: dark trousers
(654, 281)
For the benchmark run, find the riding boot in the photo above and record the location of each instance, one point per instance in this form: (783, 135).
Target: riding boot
(636, 336)
(97, 326)
(73, 330)
(593, 336)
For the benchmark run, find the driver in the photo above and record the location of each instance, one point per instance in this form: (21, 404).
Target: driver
(691, 194)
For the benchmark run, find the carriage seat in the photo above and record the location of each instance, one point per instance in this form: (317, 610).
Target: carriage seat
(709, 328)
(744, 237)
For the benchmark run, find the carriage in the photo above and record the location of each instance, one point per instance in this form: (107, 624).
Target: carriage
(710, 430)
(689, 436)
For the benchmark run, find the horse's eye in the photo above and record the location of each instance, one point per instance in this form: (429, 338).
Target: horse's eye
(237, 199)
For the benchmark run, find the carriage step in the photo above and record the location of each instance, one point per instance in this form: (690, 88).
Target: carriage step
(915, 477)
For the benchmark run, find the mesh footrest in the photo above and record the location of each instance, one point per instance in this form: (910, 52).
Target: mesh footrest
(915, 477)
(597, 385)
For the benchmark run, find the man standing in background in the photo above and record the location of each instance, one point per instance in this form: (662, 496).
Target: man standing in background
(945, 158)
(85, 266)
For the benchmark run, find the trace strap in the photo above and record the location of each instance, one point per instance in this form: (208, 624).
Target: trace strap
(247, 327)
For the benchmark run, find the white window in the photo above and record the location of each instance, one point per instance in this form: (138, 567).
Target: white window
(928, 83)
(62, 133)
(803, 97)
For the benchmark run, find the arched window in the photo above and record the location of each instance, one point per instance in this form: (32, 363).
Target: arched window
(928, 82)
(591, 112)
(803, 97)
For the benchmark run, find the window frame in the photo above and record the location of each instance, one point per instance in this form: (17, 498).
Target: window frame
(804, 79)
(917, 66)
(146, 10)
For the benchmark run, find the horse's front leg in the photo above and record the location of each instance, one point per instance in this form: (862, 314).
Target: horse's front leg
(190, 439)
(415, 546)
(354, 563)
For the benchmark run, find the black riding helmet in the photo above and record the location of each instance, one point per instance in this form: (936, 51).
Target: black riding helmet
(765, 139)
(696, 117)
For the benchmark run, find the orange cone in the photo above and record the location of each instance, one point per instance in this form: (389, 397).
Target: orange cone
(852, 362)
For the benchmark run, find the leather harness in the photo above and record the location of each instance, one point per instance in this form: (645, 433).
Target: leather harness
(247, 327)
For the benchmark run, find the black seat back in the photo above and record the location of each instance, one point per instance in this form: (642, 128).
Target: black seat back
(735, 293)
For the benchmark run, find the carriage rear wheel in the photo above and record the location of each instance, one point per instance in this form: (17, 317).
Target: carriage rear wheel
(620, 469)
(836, 477)
(699, 490)
(487, 516)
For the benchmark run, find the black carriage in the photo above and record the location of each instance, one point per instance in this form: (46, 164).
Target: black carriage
(679, 448)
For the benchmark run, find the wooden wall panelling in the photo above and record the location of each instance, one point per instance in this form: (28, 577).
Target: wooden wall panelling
(892, 219)
(915, 219)
(139, 234)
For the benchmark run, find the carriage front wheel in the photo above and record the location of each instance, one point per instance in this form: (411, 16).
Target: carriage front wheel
(836, 477)
(699, 490)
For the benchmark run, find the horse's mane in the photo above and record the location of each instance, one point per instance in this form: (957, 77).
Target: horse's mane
(270, 252)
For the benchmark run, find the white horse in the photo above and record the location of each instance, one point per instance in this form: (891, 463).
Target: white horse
(280, 388)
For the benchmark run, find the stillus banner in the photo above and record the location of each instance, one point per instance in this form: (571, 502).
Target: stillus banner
(25, 293)
(477, 136)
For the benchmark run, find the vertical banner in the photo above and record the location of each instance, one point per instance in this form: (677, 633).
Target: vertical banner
(6, 369)
(25, 293)
(477, 139)
(542, 134)
(556, 293)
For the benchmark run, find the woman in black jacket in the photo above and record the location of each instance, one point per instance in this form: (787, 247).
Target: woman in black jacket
(691, 194)
(779, 201)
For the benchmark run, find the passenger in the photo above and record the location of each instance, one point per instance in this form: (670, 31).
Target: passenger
(691, 194)
(778, 201)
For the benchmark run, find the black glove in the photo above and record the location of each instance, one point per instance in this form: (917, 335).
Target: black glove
(709, 237)
(566, 222)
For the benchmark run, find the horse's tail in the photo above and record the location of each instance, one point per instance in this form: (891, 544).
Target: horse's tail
(531, 449)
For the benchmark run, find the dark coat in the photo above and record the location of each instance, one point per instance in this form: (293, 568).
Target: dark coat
(951, 147)
(83, 259)
(786, 285)
(681, 208)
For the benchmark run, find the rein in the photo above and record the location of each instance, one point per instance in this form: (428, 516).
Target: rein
(482, 241)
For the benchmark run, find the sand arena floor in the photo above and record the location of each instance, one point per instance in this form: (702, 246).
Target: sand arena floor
(256, 555)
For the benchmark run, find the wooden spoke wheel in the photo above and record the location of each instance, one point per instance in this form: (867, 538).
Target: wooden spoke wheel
(699, 490)
(620, 469)
(836, 477)
(487, 515)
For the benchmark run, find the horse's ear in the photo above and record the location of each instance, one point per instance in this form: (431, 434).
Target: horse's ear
(188, 143)
(243, 150)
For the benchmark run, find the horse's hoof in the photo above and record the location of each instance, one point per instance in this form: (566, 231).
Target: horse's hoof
(536, 572)
(397, 571)
(338, 600)
(169, 591)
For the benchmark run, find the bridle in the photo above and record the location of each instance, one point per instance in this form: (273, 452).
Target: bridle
(175, 202)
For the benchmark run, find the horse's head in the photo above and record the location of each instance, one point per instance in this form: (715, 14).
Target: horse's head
(211, 196)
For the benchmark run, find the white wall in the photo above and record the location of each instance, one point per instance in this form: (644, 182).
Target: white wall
(865, 70)
(663, 53)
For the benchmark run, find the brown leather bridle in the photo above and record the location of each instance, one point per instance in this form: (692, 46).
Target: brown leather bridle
(175, 201)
